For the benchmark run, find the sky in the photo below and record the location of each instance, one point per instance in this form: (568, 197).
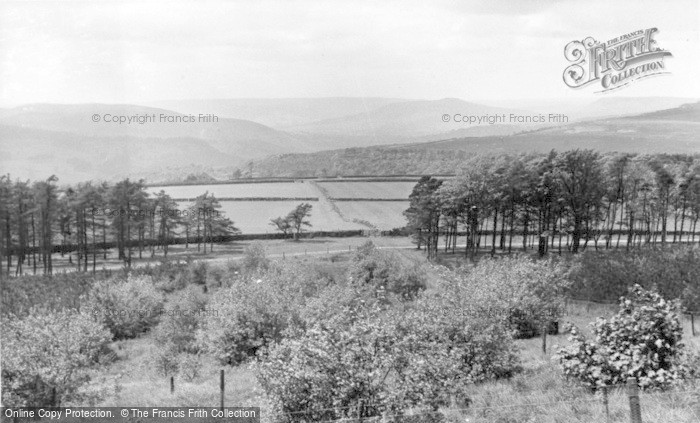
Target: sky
(131, 52)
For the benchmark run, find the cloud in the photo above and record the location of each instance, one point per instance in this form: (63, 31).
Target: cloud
(135, 51)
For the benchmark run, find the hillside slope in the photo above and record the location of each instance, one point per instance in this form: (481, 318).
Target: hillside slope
(668, 131)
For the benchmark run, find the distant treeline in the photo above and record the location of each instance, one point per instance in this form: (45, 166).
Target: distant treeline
(255, 199)
(579, 195)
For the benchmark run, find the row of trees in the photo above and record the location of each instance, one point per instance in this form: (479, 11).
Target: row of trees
(39, 219)
(579, 196)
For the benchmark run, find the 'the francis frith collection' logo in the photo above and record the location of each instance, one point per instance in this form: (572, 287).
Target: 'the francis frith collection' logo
(615, 63)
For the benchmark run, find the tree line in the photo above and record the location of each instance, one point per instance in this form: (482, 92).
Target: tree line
(40, 219)
(560, 200)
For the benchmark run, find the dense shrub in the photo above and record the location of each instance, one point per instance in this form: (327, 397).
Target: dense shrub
(46, 357)
(255, 258)
(255, 310)
(607, 275)
(385, 271)
(363, 359)
(128, 307)
(20, 295)
(526, 294)
(180, 318)
(642, 340)
(198, 272)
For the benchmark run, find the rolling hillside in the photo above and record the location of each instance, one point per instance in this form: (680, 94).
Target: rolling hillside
(37, 140)
(667, 131)
(410, 120)
(279, 112)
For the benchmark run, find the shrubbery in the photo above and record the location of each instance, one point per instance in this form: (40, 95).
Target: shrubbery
(642, 340)
(255, 310)
(46, 356)
(527, 295)
(255, 258)
(607, 275)
(385, 271)
(359, 355)
(179, 320)
(127, 307)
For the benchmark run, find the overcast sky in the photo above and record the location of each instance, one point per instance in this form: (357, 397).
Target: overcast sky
(130, 52)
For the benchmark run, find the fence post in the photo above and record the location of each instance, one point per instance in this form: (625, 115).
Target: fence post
(692, 324)
(172, 384)
(545, 329)
(633, 394)
(221, 388)
(605, 402)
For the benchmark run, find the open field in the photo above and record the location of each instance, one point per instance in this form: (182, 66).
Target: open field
(253, 217)
(383, 215)
(266, 189)
(374, 190)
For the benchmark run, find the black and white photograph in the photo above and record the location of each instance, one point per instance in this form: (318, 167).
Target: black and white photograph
(350, 212)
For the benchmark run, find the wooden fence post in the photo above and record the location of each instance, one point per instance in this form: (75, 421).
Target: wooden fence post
(221, 388)
(545, 329)
(692, 324)
(172, 384)
(605, 402)
(633, 394)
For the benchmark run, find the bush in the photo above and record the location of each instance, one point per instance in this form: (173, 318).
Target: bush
(255, 258)
(180, 319)
(127, 307)
(255, 311)
(385, 271)
(608, 275)
(46, 357)
(642, 340)
(528, 295)
(198, 272)
(384, 360)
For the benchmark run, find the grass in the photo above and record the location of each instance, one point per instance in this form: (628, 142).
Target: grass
(141, 385)
(384, 190)
(276, 248)
(541, 394)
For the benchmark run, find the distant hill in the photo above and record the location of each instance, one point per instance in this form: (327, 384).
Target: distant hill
(35, 154)
(668, 131)
(578, 109)
(233, 136)
(391, 137)
(279, 112)
(412, 121)
(684, 113)
(37, 140)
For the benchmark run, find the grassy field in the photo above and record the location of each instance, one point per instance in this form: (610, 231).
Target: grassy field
(379, 190)
(276, 248)
(253, 217)
(384, 215)
(266, 189)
